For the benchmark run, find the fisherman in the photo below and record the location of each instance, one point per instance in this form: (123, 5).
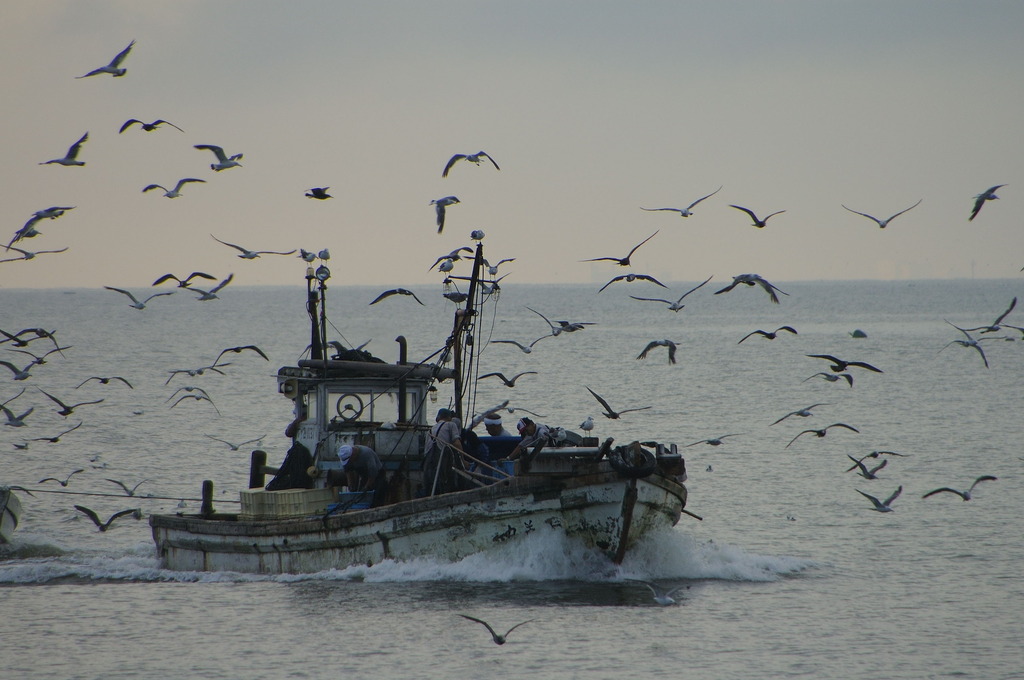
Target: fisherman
(364, 470)
(442, 454)
(530, 434)
(492, 423)
(294, 471)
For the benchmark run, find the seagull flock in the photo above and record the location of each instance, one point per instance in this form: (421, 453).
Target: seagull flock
(222, 160)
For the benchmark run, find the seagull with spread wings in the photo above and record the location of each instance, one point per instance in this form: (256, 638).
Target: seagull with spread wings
(30, 255)
(396, 291)
(608, 411)
(475, 158)
(629, 278)
(127, 491)
(148, 127)
(997, 324)
(882, 506)
(822, 432)
(758, 222)
(498, 639)
(71, 157)
(56, 438)
(882, 224)
(136, 303)
(236, 447)
(840, 365)
(969, 342)
(802, 413)
(865, 471)
(769, 335)
(966, 495)
(239, 350)
(67, 409)
(687, 211)
(660, 343)
(509, 382)
(176, 191)
(247, 254)
(114, 67)
(212, 293)
(986, 195)
(623, 261)
(106, 380)
(753, 280)
(713, 441)
(63, 482)
(183, 283)
(677, 305)
(223, 160)
(103, 526)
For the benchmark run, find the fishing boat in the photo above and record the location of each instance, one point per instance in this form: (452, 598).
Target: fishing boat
(566, 487)
(10, 513)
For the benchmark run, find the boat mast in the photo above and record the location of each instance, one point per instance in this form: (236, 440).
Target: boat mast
(463, 322)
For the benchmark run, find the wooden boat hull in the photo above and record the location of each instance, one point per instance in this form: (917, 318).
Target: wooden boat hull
(10, 513)
(605, 510)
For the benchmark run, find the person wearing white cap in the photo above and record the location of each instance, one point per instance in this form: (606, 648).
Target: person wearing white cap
(363, 468)
(492, 423)
(531, 433)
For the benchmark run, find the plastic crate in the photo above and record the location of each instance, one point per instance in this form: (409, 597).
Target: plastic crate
(263, 504)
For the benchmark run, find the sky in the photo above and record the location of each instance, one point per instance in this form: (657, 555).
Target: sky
(591, 109)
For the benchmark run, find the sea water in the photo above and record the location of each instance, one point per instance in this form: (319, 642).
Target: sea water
(789, 573)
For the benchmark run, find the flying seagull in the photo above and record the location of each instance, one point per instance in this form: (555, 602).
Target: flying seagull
(247, 254)
(20, 373)
(979, 200)
(103, 526)
(223, 160)
(66, 409)
(865, 472)
(770, 335)
(41, 359)
(197, 397)
(966, 495)
(239, 350)
(492, 269)
(803, 413)
(71, 157)
(498, 639)
(759, 223)
(183, 283)
(454, 256)
(687, 211)
(135, 301)
(56, 438)
(236, 447)
(29, 230)
(969, 342)
(114, 67)
(176, 191)
(839, 365)
(148, 127)
(557, 327)
(127, 491)
(475, 158)
(319, 193)
(193, 372)
(753, 280)
(677, 305)
(623, 261)
(660, 343)
(509, 382)
(714, 441)
(396, 291)
(881, 506)
(608, 412)
(441, 204)
(106, 381)
(13, 420)
(661, 595)
(212, 293)
(882, 224)
(822, 432)
(629, 278)
(63, 482)
(831, 377)
(995, 326)
(30, 255)
(525, 348)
